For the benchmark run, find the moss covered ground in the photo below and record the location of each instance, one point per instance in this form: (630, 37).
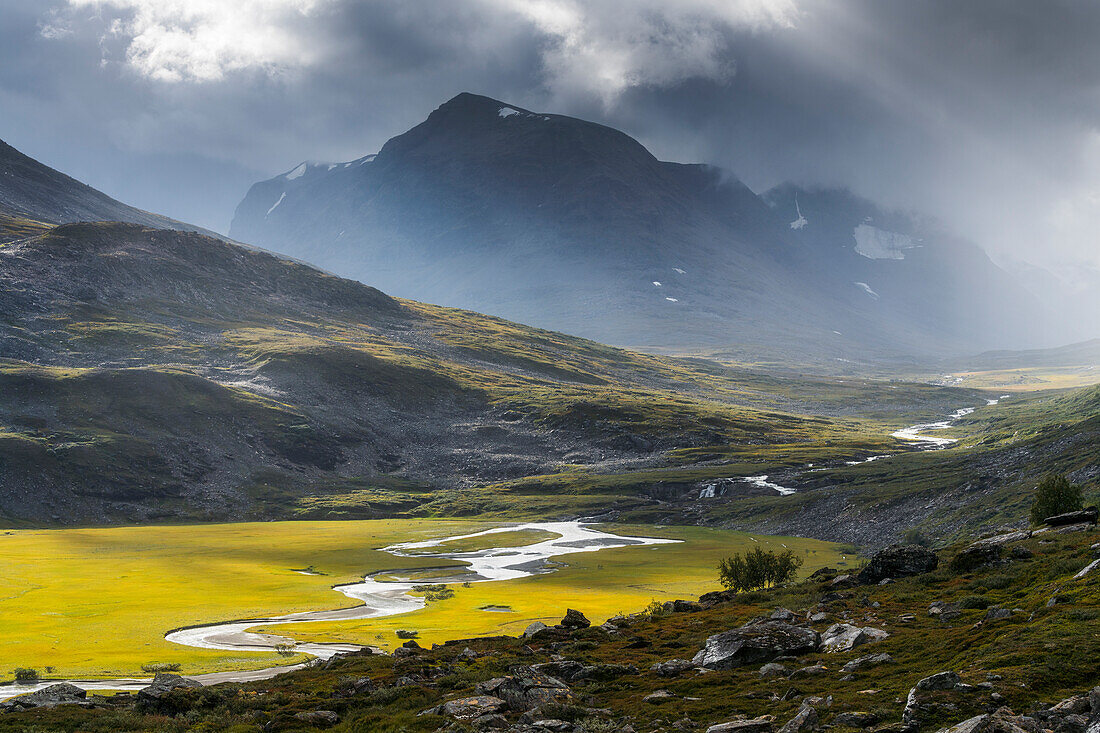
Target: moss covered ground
(97, 602)
(1041, 653)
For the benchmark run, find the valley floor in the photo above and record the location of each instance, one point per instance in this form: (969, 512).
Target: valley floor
(101, 605)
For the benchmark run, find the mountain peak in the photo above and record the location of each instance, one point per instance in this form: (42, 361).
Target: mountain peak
(468, 103)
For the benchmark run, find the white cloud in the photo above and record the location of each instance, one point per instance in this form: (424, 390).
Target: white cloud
(203, 40)
(604, 47)
(589, 47)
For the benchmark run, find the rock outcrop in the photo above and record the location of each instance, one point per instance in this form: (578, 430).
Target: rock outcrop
(755, 644)
(62, 693)
(898, 561)
(845, 637)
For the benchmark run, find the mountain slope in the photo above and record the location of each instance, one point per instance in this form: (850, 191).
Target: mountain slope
(899, 265)
(33, 192)
(575, 226)
(152, 373)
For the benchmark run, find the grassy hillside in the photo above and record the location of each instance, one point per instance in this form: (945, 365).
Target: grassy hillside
(154, 374)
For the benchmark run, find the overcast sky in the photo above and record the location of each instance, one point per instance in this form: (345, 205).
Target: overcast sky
(985, 113)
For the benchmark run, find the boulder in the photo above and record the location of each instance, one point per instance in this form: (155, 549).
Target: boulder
(755, 644)
(1001, 721)
(673, 667)
(855, 719)
(995, 613)
(898, 561)
(157, 696)
(1087, 515)
(812, 671)
(763, 724)
(681, 606)
(533, 629)
(468, 708)
(604, 672)
(871, 660)
(803, 722)
(939, 681)
(771, 669)
(845, 637)
(1087, 569)
(783, 614)
(318, 718)
(61, 693)
(574, 619)
(913, 711)
(566, 669)
(976, 556)
(525, 688)
(658, 696)
(1004, 539)
(492, 721)
(944, 611)
(350, 686)
(716, 597)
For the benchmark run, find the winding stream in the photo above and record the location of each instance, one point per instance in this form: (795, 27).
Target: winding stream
(389, 598)
(375, 599)
(917, 436)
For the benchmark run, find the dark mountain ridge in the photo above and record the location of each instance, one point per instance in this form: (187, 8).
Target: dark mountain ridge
(575, 226)
(32, 191)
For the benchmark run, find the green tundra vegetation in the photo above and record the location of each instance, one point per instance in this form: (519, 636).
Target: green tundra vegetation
(102, 604)
(1020, 632)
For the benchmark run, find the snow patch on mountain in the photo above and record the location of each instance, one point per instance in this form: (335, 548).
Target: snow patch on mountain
(800, 222)
(867, 289)
(507, 112)
(296, 173)
(281, 197)
(879, 244)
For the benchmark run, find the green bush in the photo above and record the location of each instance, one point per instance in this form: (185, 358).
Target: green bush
(155, 667)
(24, 674)
(914, 536)
(1055, 495)
(758, 569)
(974, 602)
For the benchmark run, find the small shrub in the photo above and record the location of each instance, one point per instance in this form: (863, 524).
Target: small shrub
(654, 609)
(407, 634)
(1055, 495)
(758, 569)
(970, 602)
(914, 536)
(285, 649)
(1000, 581)
(155, 667)
(25, 674)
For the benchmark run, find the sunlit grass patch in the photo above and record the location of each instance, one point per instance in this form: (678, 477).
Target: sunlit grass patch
(601, 584)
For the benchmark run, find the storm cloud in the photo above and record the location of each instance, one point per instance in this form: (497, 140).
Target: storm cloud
(983, 113)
